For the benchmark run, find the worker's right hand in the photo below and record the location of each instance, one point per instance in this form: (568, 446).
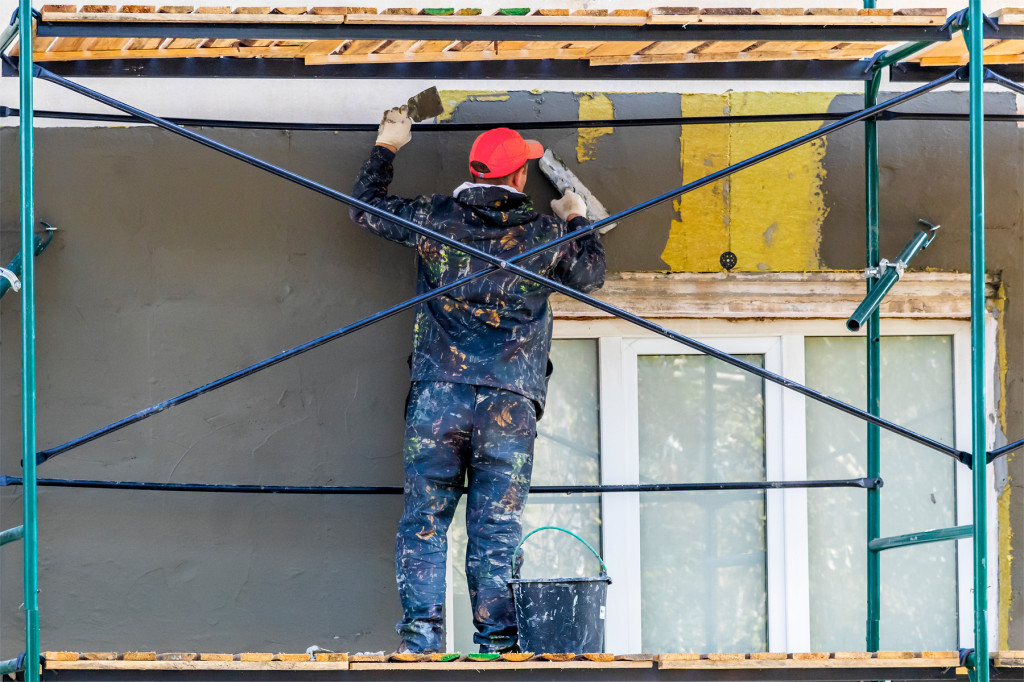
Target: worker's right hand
(395, 128)
(569, 206)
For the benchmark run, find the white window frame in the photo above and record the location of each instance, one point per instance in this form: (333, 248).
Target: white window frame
(623, 624)
(787, 571)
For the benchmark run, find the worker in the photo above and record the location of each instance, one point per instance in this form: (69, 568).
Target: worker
(479, 371)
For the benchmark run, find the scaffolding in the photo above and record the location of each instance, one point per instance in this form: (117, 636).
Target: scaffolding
(971, 21)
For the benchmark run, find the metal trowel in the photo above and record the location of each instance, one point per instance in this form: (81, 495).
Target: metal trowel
(425, 105)
(565, 180)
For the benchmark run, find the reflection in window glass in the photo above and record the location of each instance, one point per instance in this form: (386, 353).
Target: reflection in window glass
(703, 578)
(918, 583)
(567, 452)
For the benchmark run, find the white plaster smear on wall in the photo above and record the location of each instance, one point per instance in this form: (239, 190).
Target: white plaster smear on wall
(361, 101)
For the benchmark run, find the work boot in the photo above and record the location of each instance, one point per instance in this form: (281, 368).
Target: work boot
(403, 648)
(403, 654)
(492, 649)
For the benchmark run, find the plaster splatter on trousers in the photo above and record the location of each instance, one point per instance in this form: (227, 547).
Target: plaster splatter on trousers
(485, 436)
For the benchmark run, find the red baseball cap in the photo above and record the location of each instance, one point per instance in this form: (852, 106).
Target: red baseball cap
(500, 152)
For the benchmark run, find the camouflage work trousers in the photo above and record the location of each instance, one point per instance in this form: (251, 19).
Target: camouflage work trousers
(453, 431)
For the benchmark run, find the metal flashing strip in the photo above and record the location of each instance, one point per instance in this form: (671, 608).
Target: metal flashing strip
(525, 69)
(470, 31)
(911, 72)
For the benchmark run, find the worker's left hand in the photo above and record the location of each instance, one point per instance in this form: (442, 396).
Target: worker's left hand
(569, 206)
(395, 129)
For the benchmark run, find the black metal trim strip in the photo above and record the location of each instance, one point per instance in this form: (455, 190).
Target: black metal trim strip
(864, 483)
(521, 125)
(526, 69)
(467, 31)
(911, 72)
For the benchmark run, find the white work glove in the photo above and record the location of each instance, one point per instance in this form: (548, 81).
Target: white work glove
(570, 204)
(395, 128)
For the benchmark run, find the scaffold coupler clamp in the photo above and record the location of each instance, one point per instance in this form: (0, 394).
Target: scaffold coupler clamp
(883, 265)
(870, 66)
(12, 278)
(16, 14)
(957, 21)
(960, 20)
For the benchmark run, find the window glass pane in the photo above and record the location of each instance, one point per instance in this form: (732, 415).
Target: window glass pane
(703, 580)
(918, 583)
(567, 452)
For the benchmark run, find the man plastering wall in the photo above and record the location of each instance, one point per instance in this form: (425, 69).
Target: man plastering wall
(479, 371)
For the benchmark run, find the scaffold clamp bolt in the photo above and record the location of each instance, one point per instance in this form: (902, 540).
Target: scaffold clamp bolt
(12, 278)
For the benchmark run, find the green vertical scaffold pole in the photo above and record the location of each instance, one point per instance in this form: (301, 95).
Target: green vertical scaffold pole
(975, 28)
(28, 337)
(874, 368)
(874, 501)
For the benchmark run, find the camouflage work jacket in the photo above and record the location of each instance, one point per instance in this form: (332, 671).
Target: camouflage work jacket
(494, 331)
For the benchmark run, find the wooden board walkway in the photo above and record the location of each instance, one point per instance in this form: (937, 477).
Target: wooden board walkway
(283, 662)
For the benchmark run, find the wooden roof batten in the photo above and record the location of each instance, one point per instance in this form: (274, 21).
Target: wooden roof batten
(660, 42)
(361, 35)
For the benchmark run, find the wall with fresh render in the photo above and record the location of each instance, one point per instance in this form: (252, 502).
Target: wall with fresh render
(804, 211)
(176, 265)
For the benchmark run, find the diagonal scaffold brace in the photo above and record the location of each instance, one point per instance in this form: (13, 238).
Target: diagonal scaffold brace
(993, 455)
(1013, 86)
(509, 265)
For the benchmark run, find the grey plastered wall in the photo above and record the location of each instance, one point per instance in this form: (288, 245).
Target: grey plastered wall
(925, 174)
(174, 266)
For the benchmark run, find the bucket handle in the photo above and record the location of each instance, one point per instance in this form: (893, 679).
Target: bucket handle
(604, 569)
